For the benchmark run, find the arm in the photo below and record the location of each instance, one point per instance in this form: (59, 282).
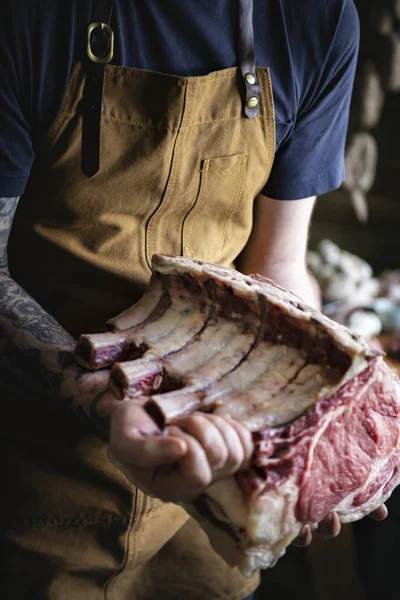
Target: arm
(277, 247)
(37, 359)
(37, 353)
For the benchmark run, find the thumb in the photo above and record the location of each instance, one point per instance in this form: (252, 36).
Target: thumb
(136, 440)
(155, 451)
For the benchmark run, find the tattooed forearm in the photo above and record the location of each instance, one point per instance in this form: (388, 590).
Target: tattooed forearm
(24, 313)
(36, 353)
(36, 359)
(8, 206)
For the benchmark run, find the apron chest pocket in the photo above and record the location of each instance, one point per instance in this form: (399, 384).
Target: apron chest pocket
(214, 225)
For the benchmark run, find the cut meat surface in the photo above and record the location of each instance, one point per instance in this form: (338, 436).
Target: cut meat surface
(323, 407)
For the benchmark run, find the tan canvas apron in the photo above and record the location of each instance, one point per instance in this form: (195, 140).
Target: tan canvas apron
(181, 160)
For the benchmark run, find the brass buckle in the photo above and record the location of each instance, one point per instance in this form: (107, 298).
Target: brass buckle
(91, 55)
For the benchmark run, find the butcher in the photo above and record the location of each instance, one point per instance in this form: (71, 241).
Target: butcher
(204, 129)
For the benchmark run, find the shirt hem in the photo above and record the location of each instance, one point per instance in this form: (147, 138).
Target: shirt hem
(305, 189)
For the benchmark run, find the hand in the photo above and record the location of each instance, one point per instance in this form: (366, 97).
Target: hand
(87, 394)
(330, 527)
(177, 464)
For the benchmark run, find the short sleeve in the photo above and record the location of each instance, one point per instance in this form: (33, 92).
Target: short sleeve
(310, 162)
(16, 153)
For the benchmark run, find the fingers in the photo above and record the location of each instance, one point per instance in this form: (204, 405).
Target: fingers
(208, 436)
(194, 467)
(304, 539)
(136, 441)
(246, 440)
(379, 514)
(226, 444)
(330, 527)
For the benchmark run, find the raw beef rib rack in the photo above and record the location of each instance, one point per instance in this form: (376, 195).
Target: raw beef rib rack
(323, 407)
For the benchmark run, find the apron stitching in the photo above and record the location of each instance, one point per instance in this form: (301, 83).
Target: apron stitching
(199, 203)
(181, 81)
(144, 124)
(220, 120)
(166, 201)
(127, 547)
(57, 126)
(29, 524)
(205, 82)
(223, 174)
(151, 125)
(243, 164)
(151, 228)
(74, 90)
(270, 112)
(66, 114)
(173, 129)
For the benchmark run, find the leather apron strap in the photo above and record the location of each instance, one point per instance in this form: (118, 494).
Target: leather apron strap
(247, 58)
(100, 50)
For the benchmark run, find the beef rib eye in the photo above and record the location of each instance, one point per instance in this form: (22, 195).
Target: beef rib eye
(323, 406)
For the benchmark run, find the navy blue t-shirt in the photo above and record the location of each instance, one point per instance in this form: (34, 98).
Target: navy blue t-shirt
(310, 47)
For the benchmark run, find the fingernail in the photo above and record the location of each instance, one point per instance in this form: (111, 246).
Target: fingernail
(379, 514)
(329, 527)
(304, 539)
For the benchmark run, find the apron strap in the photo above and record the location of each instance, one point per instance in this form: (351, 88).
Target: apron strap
(100, 50)
(247, 58)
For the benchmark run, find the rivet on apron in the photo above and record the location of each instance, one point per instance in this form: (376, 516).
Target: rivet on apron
(252, 102)
(250, 78)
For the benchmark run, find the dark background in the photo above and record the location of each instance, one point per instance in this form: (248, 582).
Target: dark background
(327, 570)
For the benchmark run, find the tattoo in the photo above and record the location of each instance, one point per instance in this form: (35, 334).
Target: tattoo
(15, 304)
(25, 313)
(90, 417)
(8, 206)
(36, 353)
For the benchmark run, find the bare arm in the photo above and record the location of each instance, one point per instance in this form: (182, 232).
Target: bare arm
(277, 247)
(36, 352)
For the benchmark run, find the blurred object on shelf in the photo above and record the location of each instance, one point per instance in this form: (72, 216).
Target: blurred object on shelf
(342, 276)
(361, 167)
(377, 78)
(369, 95)
(390, 285)
(352, 295)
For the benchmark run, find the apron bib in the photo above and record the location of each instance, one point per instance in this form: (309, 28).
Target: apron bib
(180, 167)
(137, 162)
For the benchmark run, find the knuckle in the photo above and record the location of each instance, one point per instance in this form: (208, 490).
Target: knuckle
(196, 425)
(222, 422)
(247, 436)
(201, 480)
(235, 460)
(218, 456)
(198, 420)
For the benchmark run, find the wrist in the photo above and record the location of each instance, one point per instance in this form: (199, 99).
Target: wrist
(83, 392)
(293, 276)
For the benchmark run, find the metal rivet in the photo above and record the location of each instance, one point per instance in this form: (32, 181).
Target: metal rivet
(252, 103)
(250, 78)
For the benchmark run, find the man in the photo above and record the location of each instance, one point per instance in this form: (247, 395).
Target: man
(169, 148)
